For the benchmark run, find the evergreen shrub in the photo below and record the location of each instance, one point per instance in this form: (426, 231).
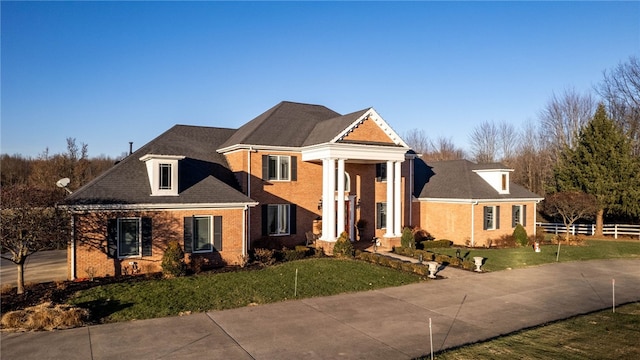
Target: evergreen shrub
(343, 246)
(520, 235)
(173, 261)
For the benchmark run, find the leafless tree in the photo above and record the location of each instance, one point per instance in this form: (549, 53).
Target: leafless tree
(484, 142)
(30, 223)
(571, 206)
(418, 140)
(620, 89)
(443, 149)
(564, 116)
(531, 162)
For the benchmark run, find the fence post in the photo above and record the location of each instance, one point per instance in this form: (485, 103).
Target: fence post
(615, 231)
(593, 229)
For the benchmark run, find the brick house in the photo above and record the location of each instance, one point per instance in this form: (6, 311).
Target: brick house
(293, 170)
(471, 204)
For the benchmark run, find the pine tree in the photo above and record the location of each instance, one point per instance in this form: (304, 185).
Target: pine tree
(602, 164)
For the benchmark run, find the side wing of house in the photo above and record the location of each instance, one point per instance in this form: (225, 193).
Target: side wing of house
(175, 188)
(472, 205)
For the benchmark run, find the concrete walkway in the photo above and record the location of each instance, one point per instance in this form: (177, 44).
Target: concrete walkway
(390, 323)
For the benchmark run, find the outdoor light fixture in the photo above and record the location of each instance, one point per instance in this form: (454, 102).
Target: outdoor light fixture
(358, 203)
(320, 204)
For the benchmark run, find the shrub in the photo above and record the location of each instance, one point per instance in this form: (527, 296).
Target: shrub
(504, 241)
(426, 255)
(343, 246)
(421, 235)
(520, 235)
(264, 256)
(173, 260)
(197, 263)
(45, 316)
(300, 252)
(441, 258)
(443, 243)
(407, 240)
(406, 266)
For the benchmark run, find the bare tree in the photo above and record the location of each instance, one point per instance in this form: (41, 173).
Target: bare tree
(571, 206)
(507, 140)
(443, 149)
(418, 140)
(30, 223)
(532, 161)
(484, 142)
(620, 88)
(563, 117)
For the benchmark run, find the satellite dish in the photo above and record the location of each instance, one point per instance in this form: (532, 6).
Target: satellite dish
(63, 184)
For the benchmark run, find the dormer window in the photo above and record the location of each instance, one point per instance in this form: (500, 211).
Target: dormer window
(497, 178)
(163, 173)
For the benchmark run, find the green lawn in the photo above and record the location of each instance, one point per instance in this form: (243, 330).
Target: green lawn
(501, 259)
(600, 335)
(166, 297)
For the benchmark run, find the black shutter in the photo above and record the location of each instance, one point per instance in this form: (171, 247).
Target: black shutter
(294, 168)
(497, 217)
(112, 238)
(188, 234)
(292, 219)
(484, 217)
(514, 218)
(265, 226)
(378, 215)
(217, 232)
(265, 167)
(147, 243)
(524, 215)
(378, 173)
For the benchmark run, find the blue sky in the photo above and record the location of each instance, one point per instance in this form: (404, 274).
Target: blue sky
(107, 73)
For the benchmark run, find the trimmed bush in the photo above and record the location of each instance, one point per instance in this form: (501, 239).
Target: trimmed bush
(343, 247)
(520, 235)
(426, 255)
(407, 240)
(264, 256)
(504, 241)
(173, 264)
(443, 243)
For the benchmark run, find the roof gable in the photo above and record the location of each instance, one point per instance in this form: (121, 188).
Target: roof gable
(204, 175)
(456, 179)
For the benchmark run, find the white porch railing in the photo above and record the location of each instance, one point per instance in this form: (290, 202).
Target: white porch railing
(590, 229)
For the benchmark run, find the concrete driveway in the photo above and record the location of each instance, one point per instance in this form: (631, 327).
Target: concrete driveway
(40, 267)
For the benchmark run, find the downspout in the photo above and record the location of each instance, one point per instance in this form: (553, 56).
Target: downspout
(535, 215)
(473, 240)
(248, 212)
(244, 233)
(410, 195)
(73, 247)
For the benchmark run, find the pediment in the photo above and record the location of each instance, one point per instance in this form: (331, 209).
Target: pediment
(370, 128)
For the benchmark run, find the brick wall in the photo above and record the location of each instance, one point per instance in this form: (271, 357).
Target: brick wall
(91, 241)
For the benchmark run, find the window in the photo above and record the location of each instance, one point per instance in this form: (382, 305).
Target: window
(381, 215)
(165, 177)
(278, 167)
(202, 234)
(491, 218)
(129, 237)
(347, 181)
(518, 215)
(381, 172)
(504, 182)
(278, 219)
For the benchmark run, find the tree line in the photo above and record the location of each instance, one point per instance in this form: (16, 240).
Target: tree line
(587, 143)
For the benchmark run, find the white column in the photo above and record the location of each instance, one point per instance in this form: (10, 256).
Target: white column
(397, 216)
(390, 203)
(329, 202)
(340, 197)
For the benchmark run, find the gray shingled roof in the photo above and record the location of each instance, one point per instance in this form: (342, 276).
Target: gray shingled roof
(455, 179)
(292, 124)
(204, 175)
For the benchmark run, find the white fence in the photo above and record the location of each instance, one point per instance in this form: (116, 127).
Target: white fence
(590, 229)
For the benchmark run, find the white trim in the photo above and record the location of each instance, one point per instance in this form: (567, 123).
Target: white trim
(373, 153)
(390, 200)
(466, 201)
(397, 207)
(240, 147)
(193, 237)
(372, 115)
(166, 207)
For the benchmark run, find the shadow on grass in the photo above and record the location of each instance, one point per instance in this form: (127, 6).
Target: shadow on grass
(101, 308)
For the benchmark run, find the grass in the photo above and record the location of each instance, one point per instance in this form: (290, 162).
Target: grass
(502, 259)
(600, 335)
(167, 297)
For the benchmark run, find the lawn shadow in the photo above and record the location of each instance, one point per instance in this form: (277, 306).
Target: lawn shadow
(102, 308)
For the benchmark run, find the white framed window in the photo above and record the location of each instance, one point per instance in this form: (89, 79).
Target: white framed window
(518, 215)
(279, 167)
(491, 218)
(278, 219)
(381, 172)
(381, 215)
(129, 237)
(202, 233)
(165, 176)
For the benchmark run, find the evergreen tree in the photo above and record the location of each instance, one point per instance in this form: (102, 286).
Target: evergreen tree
(602, 164)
